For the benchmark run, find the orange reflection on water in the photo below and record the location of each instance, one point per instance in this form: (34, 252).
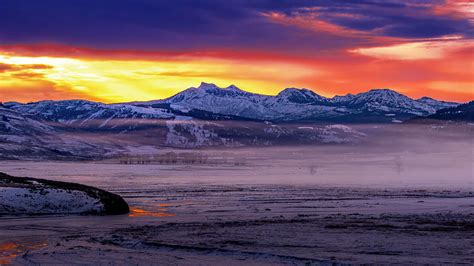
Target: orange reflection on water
(155, 211)
(9, 251)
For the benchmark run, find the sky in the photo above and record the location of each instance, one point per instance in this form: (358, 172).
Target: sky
(137, 50)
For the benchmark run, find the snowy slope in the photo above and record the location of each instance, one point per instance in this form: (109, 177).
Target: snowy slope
(184, 132)
(23, 137)
(82, 113)
(15, 123)
(18, 132)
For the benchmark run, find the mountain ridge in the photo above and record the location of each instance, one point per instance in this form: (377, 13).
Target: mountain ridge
(209, 101)
(293, 104)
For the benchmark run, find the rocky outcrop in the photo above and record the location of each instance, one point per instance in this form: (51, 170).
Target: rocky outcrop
(31, 196)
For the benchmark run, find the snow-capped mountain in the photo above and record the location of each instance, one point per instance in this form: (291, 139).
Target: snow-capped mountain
(225, 101)
(289, 105)
(294, 104)
(387, 101)
(210, 102)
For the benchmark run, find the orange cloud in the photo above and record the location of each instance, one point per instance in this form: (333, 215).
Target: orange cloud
(29, 73)
(312, 22)
(417, 50)
(25, 90)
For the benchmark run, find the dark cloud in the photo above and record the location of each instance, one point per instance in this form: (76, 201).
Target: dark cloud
(26, 75)
(190, 24)
(412, 19)
(5, 67)
(15, 68)
(23, 72)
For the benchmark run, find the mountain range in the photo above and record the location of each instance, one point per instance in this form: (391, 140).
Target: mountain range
(197, 117)
(210, 102)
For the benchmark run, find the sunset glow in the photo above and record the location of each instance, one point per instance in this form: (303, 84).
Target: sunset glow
(112, 80)
(334, 55)
(30, 78)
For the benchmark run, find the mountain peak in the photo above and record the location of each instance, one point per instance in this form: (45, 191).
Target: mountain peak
(383, 91)
(212, 88)
(296, 95)
(426, 98)
(233, 87)
(382, 95)
(430, 100)
(293, 90)
(206, 86)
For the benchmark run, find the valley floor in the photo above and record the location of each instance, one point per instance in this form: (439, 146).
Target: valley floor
(320, 209)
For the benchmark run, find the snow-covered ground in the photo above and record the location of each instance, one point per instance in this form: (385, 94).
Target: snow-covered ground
(47, 201)
(29, 196)
(289, 205)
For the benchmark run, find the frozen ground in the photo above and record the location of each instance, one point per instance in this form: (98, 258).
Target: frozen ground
(278, 206)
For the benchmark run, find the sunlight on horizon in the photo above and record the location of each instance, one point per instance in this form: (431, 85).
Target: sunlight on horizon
(125, 80)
